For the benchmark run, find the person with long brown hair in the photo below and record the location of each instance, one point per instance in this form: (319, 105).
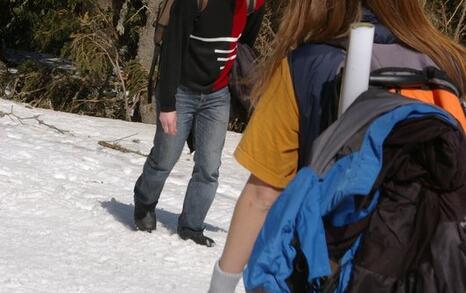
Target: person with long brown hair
(270, 147)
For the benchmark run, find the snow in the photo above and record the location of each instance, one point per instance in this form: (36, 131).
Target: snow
(66, 208)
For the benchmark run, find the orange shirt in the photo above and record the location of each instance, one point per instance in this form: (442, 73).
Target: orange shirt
(269, 146)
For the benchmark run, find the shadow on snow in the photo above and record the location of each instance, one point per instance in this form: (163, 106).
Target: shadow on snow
(123, 213)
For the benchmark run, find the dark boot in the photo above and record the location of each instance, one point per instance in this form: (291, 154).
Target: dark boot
(196, 236)
(144, 217)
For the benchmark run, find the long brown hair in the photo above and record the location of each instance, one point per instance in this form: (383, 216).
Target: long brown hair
(323, 20)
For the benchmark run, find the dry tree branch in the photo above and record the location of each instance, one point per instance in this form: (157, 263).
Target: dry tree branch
(144, 6)
(41, 122)
(123, 85)
(453, 14)
(12, 115)
(115, 62)
(444, 16)
(460, 26)
(117, 147)
(31, 92)
(19, 119)
(125, 137)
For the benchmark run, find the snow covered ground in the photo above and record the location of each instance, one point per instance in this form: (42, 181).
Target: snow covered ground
(66, 209)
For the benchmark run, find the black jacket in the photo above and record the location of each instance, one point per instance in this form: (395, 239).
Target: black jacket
(199, 48)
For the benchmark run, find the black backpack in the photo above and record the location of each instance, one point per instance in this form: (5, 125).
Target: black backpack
(240, 85)
(433, 228)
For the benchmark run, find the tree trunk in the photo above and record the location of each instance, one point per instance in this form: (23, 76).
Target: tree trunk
(145, 52)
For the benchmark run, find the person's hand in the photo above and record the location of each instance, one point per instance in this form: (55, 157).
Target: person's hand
(168, 121)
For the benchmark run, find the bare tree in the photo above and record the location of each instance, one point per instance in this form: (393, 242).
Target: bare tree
(145, 54)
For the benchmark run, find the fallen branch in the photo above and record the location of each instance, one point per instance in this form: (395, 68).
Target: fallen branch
(460, 27)
(120, 139)
(117, 147)
(41, 122)
(19, 119)
(12, 115)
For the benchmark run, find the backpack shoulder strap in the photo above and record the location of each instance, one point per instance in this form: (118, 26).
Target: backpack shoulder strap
(251, 6)
(163, 17)
(161, 20)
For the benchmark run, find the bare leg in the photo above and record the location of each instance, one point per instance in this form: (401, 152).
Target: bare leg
(248, 217)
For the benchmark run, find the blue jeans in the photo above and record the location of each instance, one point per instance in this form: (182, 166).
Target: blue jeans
(208, 114)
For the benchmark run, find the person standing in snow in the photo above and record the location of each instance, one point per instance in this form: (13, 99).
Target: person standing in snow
(270, 146)
(198, 52)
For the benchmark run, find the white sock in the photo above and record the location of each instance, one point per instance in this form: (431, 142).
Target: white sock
(223, 282)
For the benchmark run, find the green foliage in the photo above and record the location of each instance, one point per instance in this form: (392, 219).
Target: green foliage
(136, 79)
(51, 34)
(40, 25)
(134, 19)
(107, 80)
(47, 26)
(59, 90)
(93, 47)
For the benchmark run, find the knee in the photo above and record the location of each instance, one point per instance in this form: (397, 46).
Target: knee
(262, 201)
(207, 170)
(159, 164)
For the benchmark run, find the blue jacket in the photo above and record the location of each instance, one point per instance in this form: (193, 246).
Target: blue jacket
(300, 208)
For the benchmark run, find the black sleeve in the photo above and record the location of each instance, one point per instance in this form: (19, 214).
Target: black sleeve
(253, 26)
(174, 48)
